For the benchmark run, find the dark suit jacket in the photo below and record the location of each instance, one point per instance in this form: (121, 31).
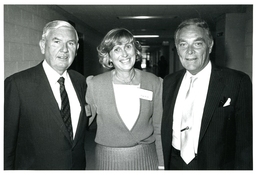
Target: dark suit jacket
(225, 140)
(35, 136)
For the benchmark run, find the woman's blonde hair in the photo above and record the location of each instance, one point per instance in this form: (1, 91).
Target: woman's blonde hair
(113, 38)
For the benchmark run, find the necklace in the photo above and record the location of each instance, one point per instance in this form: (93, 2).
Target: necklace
(124, 81)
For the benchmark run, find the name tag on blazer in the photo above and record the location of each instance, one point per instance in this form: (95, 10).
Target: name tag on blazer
(145, 94)
(88, 110)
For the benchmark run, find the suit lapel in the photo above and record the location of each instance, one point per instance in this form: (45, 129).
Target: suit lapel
(81, 99)
(216, 86)
(46, 95)
(171, 96)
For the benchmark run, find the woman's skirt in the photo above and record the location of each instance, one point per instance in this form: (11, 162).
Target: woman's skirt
(139, 157)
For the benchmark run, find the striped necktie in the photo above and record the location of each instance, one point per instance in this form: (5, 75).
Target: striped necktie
(65, 108)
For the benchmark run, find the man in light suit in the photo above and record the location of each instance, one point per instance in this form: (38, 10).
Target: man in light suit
(35, 135)
(219, 131)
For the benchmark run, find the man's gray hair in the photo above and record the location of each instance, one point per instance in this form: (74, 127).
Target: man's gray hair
(57, 24)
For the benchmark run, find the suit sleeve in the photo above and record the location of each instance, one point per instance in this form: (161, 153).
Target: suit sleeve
(243, 117)
(11, 122)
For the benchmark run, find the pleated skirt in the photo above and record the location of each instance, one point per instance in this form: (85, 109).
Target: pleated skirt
(139, 157)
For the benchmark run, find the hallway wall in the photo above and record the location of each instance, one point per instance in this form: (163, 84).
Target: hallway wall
(233, 41)
(23, 26)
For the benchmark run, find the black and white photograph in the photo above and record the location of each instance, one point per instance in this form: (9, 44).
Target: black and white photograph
(127, 86)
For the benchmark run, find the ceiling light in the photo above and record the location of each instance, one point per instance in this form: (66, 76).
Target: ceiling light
(145, 17)
(145, 36)
(140, 17)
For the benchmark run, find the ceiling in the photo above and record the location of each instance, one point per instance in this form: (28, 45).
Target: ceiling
(105, 17)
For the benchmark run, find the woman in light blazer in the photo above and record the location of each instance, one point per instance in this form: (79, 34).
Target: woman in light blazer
(128, 105)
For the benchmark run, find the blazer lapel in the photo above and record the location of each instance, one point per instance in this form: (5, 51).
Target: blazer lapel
(171, 96)
(81, 99)
(216, 86)
(46, 95)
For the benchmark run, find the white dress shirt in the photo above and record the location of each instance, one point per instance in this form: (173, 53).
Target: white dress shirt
(200, 87)
(53, 78)
(128, 103)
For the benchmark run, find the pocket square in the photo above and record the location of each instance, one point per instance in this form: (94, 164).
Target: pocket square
(227, 103)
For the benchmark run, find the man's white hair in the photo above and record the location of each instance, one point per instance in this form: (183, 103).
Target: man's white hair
(57, 24)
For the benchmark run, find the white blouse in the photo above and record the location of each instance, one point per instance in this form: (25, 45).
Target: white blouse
(128, 103)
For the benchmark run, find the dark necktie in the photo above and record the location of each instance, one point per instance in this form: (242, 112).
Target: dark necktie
(65, 108)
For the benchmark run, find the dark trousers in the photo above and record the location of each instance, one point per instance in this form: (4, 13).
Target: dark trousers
(177, 163)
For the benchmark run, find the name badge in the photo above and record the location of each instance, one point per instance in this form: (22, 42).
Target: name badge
(146, 94)
(88, 110)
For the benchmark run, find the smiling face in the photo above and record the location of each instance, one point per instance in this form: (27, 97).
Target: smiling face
(59, 48)
(193, 47)
(123, 55)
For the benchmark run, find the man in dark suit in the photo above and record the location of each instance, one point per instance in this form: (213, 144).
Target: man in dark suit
(207, 119)
(35, 135)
